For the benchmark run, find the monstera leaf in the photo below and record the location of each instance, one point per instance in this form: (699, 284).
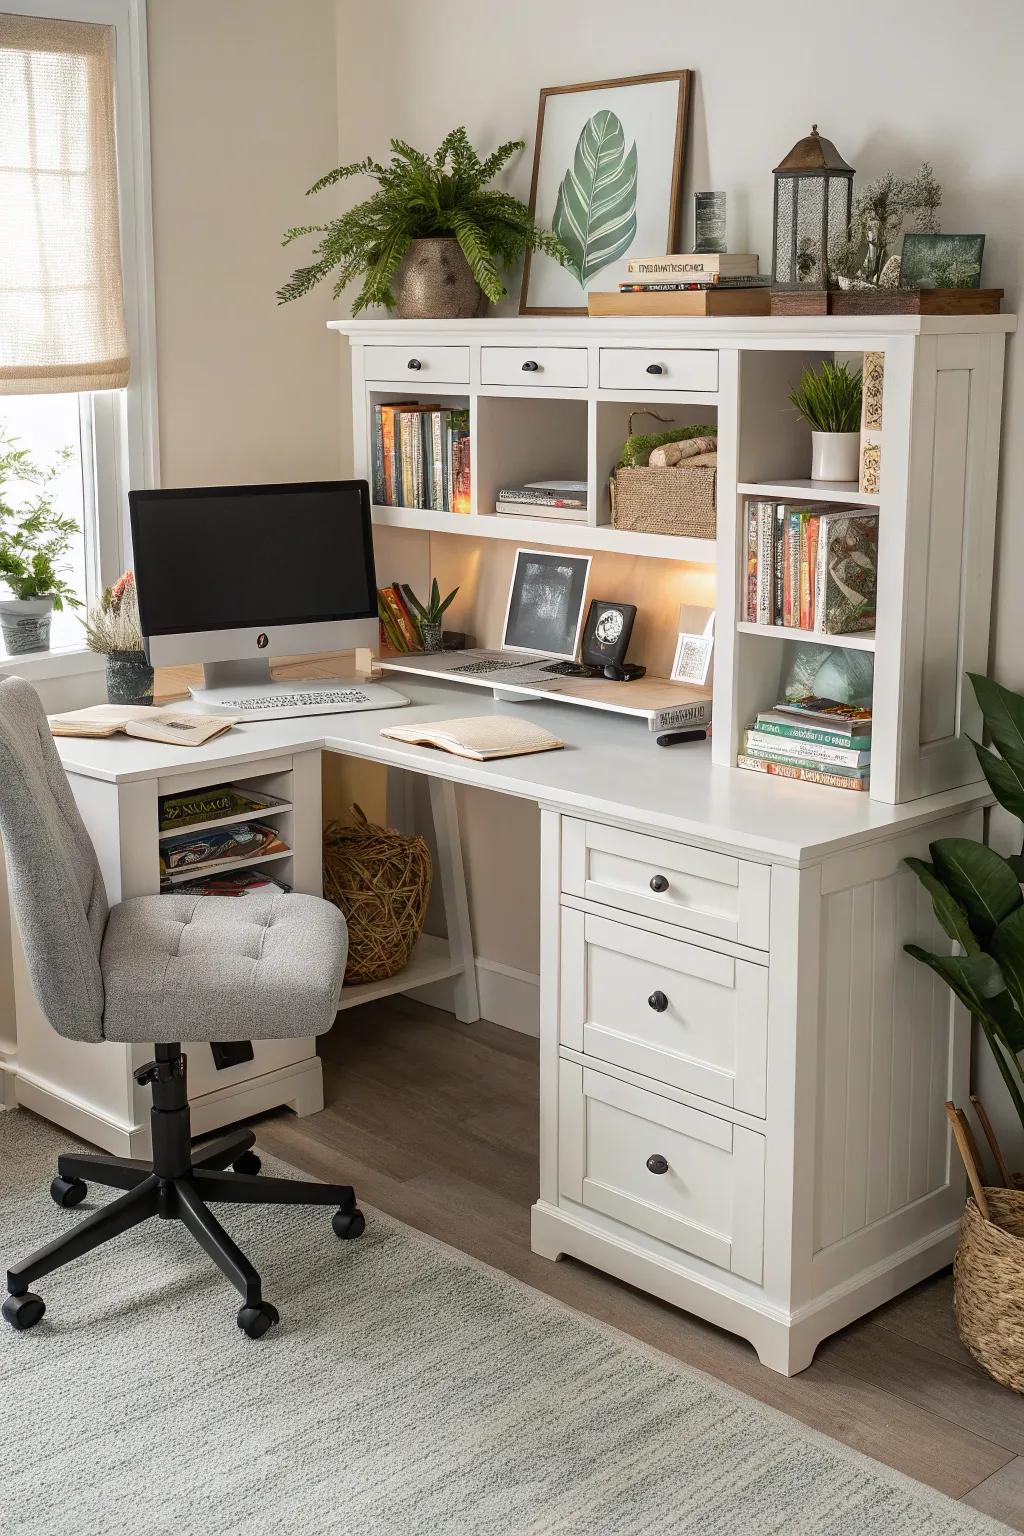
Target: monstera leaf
(595, 214)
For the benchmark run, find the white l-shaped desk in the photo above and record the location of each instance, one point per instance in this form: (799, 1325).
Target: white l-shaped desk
(742, 1075)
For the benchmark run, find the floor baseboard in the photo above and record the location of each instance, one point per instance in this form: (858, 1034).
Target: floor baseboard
(508, 996)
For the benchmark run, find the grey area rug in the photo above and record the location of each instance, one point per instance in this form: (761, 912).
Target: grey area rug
(408, 1391)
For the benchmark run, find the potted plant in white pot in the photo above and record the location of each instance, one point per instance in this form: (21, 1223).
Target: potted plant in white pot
(829, 400)
(433, 238)
(114, 630)
(33, 538)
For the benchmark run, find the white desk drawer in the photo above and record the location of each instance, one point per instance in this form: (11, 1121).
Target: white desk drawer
(566, 366)
(708, 1198)
(417, 365)
(710, 892)
(658, 368)
(669, 1010)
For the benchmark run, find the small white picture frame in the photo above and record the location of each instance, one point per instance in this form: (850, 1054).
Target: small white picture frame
(692, 661)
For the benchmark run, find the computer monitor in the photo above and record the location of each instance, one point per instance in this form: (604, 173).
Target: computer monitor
(232, 575)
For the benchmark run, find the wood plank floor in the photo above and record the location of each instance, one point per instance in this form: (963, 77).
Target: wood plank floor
(436, 1123)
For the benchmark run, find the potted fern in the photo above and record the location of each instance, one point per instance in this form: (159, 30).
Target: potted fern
(431, 241)
(33, 538)
(829, 399)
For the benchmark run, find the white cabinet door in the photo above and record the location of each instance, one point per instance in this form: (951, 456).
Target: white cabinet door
(667, 1009)
(687, 1178)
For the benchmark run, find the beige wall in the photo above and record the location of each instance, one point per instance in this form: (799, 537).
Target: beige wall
(243, 100)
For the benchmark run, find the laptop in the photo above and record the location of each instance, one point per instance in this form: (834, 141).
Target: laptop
(543, 622)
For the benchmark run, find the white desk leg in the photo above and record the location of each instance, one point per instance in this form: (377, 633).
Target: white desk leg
(456, 904)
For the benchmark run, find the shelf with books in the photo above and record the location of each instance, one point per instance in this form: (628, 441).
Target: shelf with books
(862, 641)
(194, 871)
(420, 451)
(809, 490)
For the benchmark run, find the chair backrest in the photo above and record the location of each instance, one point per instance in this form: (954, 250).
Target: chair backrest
(57, 891)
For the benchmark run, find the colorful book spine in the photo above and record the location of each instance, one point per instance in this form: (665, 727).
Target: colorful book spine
(798, 771)
(400, 618)
(811, 735)
(766, 744)
(751, 541)
(765, 552)
(379, 492)
(437, 450)
(778, 563)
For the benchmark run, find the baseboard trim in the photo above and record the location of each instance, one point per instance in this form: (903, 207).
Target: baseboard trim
(81, 1119)
(508, 996)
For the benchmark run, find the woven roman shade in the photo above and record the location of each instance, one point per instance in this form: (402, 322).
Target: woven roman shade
(61, 297)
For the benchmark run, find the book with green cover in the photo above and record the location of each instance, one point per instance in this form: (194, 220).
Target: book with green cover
(793, 730)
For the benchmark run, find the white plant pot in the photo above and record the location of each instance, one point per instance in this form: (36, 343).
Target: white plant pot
(835, 455)
(25, 624)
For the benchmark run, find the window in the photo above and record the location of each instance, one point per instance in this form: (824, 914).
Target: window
(76, 316)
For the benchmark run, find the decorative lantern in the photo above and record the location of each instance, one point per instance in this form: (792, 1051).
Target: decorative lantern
(813, 203)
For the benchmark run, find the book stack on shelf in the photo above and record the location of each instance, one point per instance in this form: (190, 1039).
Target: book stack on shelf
(421, 456)
(398, 627)
(709, 283)
(812, 568)
(564, 500)
(816, 740)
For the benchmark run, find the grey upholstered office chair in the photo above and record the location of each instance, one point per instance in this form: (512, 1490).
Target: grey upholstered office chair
(161, 969)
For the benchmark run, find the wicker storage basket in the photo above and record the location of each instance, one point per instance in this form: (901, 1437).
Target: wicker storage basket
(988, 1285)
(380, 879)
(679, 500)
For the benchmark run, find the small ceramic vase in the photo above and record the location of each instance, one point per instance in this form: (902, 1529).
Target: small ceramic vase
(834, 455)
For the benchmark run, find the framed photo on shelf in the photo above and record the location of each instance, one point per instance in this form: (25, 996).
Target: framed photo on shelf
(607, 178)
(545, 603)
(692, 661)
(941, 261)
(606, 633)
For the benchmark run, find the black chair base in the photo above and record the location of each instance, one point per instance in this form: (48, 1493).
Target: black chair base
(179, 1184)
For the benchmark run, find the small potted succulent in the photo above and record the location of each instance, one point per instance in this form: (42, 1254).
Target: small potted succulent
(428, 616)
(33, 538)
(113, 630)
(829, 399)
(432, 240)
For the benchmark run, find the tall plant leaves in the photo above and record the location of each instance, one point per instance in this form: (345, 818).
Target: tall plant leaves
(948, 911)
(975, 979)
(1007, 945)
(1004, 715)
(1005, 777)
(980, 880)
(595, 212)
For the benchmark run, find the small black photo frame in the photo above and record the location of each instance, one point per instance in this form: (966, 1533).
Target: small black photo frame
(606, 632)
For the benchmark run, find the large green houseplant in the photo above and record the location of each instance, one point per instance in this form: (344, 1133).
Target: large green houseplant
(33, 538)
(977, 897)
(433, 238)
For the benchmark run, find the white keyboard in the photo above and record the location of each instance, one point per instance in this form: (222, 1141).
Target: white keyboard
(279, 702)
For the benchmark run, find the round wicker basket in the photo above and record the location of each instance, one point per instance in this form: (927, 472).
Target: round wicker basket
(988, 1285)
(380, 879)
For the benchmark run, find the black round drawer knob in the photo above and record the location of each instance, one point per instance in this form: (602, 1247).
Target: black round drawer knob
(658, 1001)
(657, 1164)
(530, 366)
(659, 883)
(415, 364)
(655, 368)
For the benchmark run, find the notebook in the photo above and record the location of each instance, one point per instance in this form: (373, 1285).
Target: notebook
(479, 736)
(177, 727)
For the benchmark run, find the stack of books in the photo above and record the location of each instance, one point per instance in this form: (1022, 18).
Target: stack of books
(421, 457)
(565, 499)
(813, 739)
(811, 567)
(398, 626)
(713, 283)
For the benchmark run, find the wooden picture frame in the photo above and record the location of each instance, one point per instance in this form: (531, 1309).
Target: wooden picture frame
(683, 79)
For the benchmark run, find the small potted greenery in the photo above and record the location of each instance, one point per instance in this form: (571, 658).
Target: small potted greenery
(33, 538)
(428, 616)
(828, 399)
(432, 239)
(114, 630)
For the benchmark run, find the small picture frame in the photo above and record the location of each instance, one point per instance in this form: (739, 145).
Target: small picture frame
(545, 603)
(606, 632)
(941, 261)
(692, 661)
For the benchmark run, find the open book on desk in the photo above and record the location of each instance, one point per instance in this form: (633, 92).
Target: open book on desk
(175, 727)
(478, 736)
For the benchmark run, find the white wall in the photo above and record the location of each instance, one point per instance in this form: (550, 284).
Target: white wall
(918, 79)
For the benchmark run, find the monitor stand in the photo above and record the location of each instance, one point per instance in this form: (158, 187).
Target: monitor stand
(247, 689)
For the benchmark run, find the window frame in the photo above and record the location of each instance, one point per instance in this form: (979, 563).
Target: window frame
(122, 425)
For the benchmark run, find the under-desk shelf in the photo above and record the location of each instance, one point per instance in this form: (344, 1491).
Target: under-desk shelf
(863, 641)
(535, 530)
(431, 961)
(846, 491)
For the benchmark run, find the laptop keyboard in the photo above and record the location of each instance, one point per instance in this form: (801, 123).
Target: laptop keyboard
(500, 665)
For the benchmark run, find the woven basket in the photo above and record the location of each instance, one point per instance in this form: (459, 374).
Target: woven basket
(380, 879)
(680, 499)
(988, 1285)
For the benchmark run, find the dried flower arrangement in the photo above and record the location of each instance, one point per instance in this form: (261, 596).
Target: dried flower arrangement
(113, 623)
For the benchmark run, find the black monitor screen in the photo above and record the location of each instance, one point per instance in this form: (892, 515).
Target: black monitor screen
(237, 557)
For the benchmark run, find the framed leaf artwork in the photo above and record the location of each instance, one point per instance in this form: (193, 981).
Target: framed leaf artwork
(607, 178)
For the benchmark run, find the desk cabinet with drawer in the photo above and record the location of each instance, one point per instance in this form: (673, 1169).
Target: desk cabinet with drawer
(742, 1077)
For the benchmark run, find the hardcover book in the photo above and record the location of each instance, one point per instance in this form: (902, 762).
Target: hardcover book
(847, 573)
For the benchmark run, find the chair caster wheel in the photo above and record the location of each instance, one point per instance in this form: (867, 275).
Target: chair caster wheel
(67, 1192)
(23, 1311)
(254, 1321)
(348, 1224)
(248, 1162)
